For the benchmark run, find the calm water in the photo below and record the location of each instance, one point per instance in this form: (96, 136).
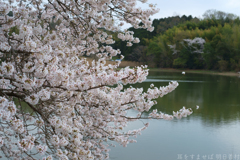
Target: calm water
(211, 132)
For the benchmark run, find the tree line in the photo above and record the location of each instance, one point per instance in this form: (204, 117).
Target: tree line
(211, 43)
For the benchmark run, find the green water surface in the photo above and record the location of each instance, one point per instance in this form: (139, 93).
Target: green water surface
(211, 132)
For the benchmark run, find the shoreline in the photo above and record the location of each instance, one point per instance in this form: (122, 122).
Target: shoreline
(133, 64)
(195, 71)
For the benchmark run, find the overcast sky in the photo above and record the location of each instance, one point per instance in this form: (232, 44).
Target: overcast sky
(196, 8)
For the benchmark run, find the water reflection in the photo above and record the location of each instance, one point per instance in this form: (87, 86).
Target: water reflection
(217, 96)
(213, 129)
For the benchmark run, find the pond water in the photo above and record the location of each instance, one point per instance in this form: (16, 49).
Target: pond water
(211, 132)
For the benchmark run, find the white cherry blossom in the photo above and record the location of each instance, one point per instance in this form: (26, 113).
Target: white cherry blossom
(54, 103)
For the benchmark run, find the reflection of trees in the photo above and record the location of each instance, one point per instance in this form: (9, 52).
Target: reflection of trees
(221, 100)
(217, 96)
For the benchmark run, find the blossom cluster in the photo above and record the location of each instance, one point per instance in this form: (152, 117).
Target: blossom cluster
(128, 36)
(54, 103)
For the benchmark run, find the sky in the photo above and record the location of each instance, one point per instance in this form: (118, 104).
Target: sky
(196, 8)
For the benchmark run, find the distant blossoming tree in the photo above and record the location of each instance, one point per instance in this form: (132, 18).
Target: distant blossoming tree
(196, 45)
(53, 103)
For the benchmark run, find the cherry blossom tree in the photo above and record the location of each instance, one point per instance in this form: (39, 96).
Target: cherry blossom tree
(53, 102)
(196, 45)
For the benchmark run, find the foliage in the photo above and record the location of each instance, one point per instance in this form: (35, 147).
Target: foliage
(138, 54)
(219, 52)
(220, 31)
(161, 25)
(223, 65)
(179, 63)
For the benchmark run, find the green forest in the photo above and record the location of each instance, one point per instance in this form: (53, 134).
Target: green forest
(211, 43)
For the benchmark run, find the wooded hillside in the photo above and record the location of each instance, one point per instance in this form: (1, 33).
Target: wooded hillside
(185, 42)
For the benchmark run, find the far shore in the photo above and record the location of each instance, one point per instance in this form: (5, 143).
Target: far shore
(132, 64)
(195, 71)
